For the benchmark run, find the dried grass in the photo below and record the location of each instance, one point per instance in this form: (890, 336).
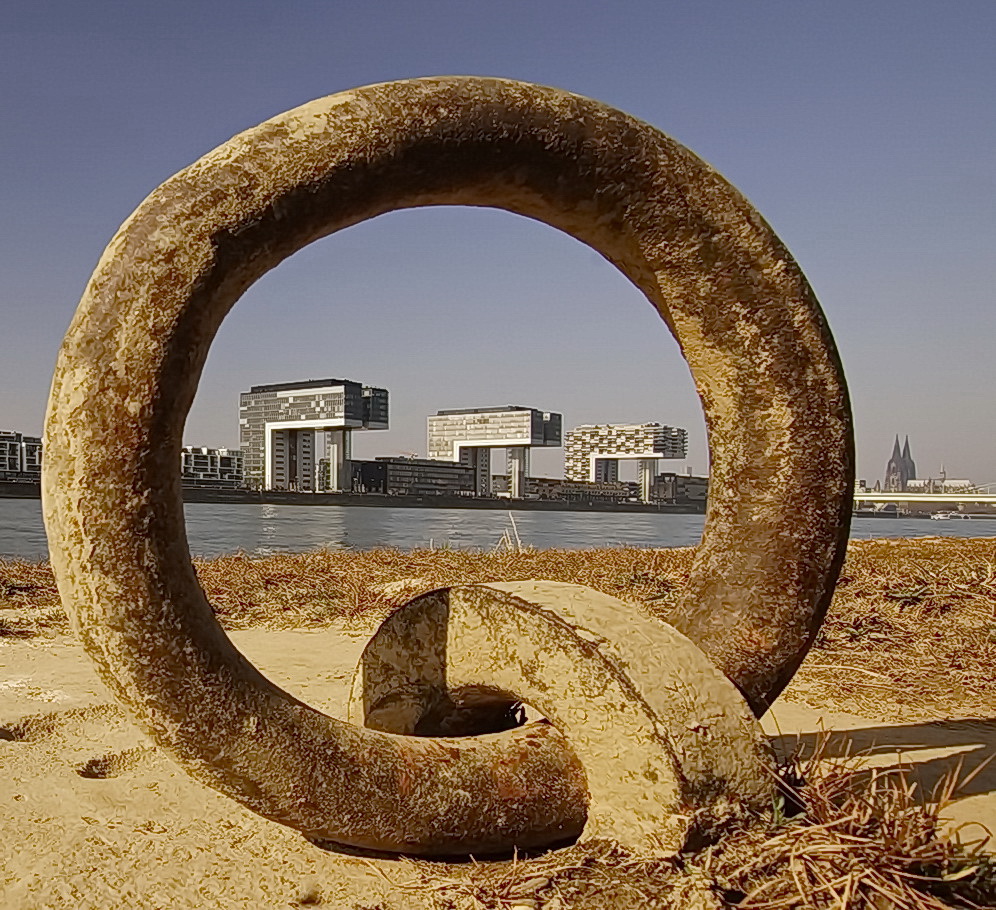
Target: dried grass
(295, 590)
(844, 836)
(906, 615)
(906, 612)
(593, 876)
(840, 837)
(29, 601)
(913, 623)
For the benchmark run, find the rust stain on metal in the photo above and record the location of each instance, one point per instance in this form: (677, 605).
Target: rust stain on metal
(744, 316)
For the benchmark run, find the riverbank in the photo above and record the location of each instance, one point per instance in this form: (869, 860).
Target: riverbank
(911, 611)
(92, 815)
(219, 529)
(20, 490)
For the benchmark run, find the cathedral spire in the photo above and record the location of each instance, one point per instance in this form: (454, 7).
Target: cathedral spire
(908, 463)
(895, 470)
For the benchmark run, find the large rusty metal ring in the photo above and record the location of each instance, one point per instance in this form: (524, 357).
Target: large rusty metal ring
(746, 320)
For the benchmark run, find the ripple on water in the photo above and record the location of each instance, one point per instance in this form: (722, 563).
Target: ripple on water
(217, 528)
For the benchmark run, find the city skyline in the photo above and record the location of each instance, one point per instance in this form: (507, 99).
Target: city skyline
(865, 135)
(18, 450)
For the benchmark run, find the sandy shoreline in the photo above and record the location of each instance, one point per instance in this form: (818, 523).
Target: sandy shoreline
(94, 816)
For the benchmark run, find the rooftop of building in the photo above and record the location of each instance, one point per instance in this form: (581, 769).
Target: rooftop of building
(431, 462)
(621, 426)
(303, 384)
(497, 410)
(16, 434)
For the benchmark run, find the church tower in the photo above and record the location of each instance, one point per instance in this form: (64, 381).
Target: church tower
(908, 463)
(895, 471)
(901, 468)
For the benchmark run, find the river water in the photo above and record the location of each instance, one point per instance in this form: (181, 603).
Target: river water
(215, 529)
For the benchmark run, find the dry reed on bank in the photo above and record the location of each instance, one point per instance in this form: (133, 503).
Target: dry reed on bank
(839, 837)
(842, 835)
(295, 590)
(906, 614)
(913, 622)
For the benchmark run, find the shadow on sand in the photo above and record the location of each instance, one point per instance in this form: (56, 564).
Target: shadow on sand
(975, 741)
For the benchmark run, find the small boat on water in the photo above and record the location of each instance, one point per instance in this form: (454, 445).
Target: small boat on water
(947, 516)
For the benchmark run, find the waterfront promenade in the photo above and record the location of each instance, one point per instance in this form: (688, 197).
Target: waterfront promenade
(27, 490)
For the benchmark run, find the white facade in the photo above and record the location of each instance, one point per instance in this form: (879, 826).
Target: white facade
(593, 451)
(940, 485)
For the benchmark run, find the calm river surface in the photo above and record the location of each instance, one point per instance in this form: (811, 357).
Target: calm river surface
(214, 529)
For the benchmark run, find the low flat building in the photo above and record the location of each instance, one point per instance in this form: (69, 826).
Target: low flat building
(680, 489)
(940, 485)
(561, 490)
(413, 477)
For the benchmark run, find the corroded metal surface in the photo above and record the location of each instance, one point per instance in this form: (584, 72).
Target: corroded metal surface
(670, 748)
(744, 316)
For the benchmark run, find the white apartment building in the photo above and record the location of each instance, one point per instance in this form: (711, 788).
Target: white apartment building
(593, 451)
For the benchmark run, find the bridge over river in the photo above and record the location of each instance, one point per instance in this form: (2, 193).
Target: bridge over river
(983, 494)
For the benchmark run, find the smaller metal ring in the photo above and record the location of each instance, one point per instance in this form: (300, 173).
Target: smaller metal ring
(668, 744)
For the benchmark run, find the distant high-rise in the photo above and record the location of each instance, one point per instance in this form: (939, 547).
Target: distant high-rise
(278, 422)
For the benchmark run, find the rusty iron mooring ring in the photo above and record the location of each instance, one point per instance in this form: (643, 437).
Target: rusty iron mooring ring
(747, 322)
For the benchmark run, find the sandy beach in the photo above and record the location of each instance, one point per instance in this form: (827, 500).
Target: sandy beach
(94, 816)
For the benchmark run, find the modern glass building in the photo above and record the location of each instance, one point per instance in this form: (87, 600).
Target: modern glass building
(20, 456)
(467, 436)
(204, 467)
(278, 424)
(396, 476)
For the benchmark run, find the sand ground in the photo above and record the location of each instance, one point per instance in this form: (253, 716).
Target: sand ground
(93, 816)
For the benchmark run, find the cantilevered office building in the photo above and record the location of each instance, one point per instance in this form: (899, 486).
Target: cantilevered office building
(278, 425)
(593, 452)
(467, 435)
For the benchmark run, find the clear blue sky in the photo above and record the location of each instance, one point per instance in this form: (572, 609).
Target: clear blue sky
(865, 132)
